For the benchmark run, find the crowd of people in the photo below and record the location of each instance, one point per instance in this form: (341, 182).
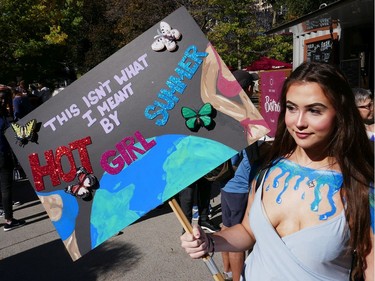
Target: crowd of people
(21, 98)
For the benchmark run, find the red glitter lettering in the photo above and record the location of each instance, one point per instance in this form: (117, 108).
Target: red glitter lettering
(39, 171)
(53, 167)
(65, 151)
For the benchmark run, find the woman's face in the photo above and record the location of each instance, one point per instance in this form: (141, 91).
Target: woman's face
(366, 109)
(309, 117)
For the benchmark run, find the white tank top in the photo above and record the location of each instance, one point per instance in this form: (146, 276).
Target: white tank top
(320, 252)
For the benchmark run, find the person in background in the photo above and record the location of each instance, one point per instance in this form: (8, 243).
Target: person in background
(22, 88)
(5, 108)
(364, 100)
(33, 90)
(44, 92)
(34, 97)
(21, 105)
(58, 89)
(6, 176)
(202, 190)
(6, 99)
(312, 216)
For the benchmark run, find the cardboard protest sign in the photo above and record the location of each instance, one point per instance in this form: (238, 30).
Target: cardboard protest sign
(270, 85)
(134, 131)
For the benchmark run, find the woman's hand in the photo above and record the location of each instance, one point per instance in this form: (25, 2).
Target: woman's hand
(196, 244)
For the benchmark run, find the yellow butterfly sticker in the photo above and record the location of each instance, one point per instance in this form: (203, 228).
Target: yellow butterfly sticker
(25, 133)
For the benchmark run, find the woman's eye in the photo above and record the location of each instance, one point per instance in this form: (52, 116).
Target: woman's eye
(291, 108)
(315, 111)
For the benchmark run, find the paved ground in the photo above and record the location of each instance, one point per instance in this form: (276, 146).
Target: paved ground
(147, 250)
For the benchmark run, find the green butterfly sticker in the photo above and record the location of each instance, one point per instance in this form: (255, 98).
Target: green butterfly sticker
(203, 118)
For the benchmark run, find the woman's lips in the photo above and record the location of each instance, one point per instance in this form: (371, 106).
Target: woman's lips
(302, 135)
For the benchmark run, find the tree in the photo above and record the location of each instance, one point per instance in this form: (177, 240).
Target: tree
(42, 39)
(138, 15)
(109, 25)
(98, 40)
(236, 29)
(287, 10)
(37, 37)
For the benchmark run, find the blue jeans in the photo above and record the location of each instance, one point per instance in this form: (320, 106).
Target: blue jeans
(6, 180)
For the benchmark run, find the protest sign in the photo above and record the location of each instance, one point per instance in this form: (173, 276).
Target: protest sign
(131, 133)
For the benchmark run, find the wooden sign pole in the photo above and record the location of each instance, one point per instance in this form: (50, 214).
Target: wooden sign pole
(188, 228)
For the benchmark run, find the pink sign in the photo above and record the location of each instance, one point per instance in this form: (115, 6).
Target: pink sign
(270, 85)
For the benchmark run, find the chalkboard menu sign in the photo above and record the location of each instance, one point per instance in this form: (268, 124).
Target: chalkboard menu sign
(319, 48)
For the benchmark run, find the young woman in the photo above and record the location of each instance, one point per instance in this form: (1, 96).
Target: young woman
(310, 219)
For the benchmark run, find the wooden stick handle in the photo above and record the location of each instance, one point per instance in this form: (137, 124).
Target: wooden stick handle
(188, 228)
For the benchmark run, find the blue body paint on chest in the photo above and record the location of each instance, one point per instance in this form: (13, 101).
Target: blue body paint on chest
(332, 179)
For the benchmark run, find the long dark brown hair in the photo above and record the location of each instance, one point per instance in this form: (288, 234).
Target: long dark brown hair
(349, 145)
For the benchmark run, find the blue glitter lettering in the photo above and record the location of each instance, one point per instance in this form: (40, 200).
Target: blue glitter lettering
(186, 69)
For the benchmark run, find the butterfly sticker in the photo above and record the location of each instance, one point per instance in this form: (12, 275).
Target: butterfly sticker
(194, 120)
(166, 38)
(86, 184)
(25, 133)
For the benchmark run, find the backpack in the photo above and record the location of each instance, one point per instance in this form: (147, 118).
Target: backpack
(253, 155)
(221, 173)
(256, 156)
